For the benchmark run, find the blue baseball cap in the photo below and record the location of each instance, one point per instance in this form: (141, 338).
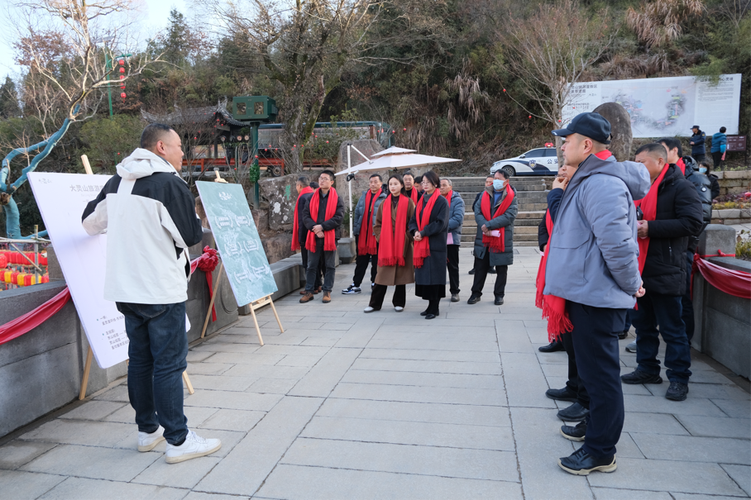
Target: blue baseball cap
(592, 125)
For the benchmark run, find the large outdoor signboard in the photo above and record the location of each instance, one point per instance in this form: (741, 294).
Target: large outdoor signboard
(238, 241)
(661, 107)
(61, 199)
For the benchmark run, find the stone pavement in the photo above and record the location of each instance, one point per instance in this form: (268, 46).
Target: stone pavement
(345, 405)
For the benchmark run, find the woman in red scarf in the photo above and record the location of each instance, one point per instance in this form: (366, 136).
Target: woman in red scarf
(395, 255)
(429, 227)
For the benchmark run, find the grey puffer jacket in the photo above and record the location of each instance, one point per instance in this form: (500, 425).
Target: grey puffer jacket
(505, 258)
(456, 217)
(360, 210)
(592, 253)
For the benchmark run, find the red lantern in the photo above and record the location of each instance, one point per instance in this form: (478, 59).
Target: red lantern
(122, 77)
(123, 95)
(121, 62)
(122, 70)
(3, 261)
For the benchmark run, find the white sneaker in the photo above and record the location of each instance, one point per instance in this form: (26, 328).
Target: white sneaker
(368, 309)
(147, 442)
(631, 347)
(398, 309)
(194, 446)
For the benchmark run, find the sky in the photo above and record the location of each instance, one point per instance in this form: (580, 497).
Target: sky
(154, 12)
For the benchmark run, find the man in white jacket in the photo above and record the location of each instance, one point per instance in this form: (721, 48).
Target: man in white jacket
(149, 215)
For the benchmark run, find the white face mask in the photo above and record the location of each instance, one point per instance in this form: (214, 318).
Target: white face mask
(498, 184)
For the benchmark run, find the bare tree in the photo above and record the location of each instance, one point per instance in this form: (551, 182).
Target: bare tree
(59, 44)
(659, 22)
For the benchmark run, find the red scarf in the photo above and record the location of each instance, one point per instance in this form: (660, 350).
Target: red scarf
(448, 197)
(366, 242)
(648, 206)
(295, 226)
(422, 216)
(680, 164)
(329, 237)
(496, 243)
(413, 195)
(391, 251)
(553, 308)
(604, 154)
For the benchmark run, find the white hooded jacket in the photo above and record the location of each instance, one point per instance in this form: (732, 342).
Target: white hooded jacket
(149, 215)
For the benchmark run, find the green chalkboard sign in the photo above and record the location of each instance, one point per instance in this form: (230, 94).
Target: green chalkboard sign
(237, 240)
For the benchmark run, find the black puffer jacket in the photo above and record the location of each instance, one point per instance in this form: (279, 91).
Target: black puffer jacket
(679, 216)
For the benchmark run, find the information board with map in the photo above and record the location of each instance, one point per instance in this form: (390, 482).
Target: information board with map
(661, 107)
(238, 241)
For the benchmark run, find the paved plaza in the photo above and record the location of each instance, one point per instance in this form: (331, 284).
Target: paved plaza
(347, 405)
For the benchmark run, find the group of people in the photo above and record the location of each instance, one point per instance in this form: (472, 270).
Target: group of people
(409, 231)
(617, 235)
(719, 144)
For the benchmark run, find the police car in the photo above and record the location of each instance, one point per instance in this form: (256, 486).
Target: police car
(539, 161)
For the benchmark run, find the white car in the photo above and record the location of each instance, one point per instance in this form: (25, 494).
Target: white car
(540, 161)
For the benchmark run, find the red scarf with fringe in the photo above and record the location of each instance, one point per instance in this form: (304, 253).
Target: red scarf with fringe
(366, 242)
(422, 216)
(648, 206)
(496, 243)
(391, 252)
(295, 225)
(329, 237)
(553, 308)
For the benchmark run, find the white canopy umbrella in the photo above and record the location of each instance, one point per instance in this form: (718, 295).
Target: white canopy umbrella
(390, 159)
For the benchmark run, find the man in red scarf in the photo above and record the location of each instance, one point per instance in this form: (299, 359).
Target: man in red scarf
(671, 214)
(367, 246)
(299, 231)
(322, 215)
(410, 190)
(494, 244)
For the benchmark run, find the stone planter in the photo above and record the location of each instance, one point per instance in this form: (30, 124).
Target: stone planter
(347, 250)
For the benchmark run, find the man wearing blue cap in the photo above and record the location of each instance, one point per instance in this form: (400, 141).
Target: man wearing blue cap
(592, 265)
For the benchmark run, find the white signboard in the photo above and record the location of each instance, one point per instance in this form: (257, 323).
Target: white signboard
(62, 199)
(664, 107)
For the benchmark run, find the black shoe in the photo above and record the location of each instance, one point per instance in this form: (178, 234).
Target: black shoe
(430, 316)
(576, 433)
(471, 271)
(554, 346)
(424, 313)
(640, 377)
(573, 413)
(622, 335)
(677, 391)
(455, 297)
(491, 270)
(498, 301)
(582, 463)
(473, 299)
(564, 394)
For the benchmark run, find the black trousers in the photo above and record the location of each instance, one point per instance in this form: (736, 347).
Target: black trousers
(361, 265)
(688, 305)
(595, 339)
(716, 160)
(321, 269)
(481, 272)
(452, 263)
(379, 293)
(314, 261)
(574, 382)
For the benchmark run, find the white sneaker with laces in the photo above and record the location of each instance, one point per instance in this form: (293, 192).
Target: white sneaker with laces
(398, 309)
(194, 446)
(368, 309)
(147, 442)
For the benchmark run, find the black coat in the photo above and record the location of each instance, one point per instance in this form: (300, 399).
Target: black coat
(679, 216)
(302, 231)
(433, 270)
(554, 201)
(333, 223)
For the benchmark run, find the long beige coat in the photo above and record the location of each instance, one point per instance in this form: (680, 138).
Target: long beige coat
(396, 275)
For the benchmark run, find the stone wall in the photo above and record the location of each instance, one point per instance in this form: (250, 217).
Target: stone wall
(733, 182)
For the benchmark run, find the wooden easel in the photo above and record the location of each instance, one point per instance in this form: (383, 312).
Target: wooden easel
(214, 290)
(257, 305)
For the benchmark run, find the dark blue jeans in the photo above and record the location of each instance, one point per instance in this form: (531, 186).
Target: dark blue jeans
(688, 306)
(664, 310)
(157, 351)
(595, 339)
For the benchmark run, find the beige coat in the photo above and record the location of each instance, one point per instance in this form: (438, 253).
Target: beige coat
(396, 275)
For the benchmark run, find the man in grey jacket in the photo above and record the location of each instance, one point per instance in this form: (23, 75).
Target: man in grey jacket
(592, 264)
(456, 221)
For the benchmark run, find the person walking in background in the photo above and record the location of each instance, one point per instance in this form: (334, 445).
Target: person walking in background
(410, 190)
(494, 243)
(719, 145)
(395, 265)
(367, 246)
(714, 185)
(322, 215)
(671, 214)
(454, 237)
(149, 215)
(697, 141)
(592, 265)
(299, 231)
(429, 228)
(488, 183)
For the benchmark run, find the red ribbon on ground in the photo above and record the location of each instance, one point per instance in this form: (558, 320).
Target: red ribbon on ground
(207, 262)
(34, 318)
(735, 283)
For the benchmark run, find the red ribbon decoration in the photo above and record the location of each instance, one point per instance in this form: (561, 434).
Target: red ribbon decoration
(207, 262)
(32, 319)
(735, 283)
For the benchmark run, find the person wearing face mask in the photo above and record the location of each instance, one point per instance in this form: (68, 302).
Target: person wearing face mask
(494, 244)
(705, 169)
(395, 266)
